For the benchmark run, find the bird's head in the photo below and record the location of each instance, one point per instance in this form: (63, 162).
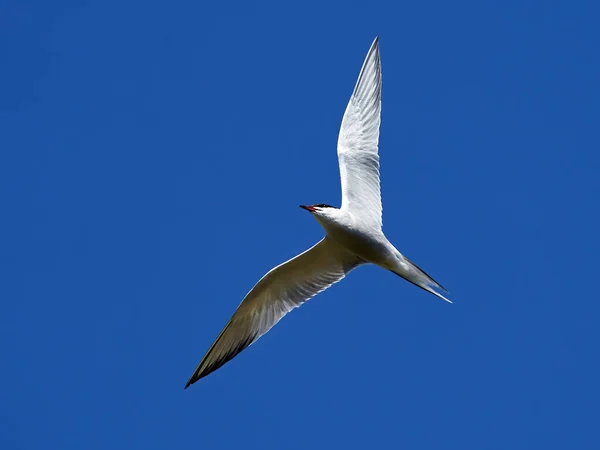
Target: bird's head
(321, 210)
(317, 208)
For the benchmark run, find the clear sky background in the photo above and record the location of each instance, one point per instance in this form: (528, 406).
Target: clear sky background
(152, 159)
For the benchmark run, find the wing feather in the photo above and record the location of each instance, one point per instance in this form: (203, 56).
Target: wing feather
(358, 143)
(282, 289)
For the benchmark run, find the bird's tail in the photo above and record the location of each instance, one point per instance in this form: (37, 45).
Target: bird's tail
(417, 276)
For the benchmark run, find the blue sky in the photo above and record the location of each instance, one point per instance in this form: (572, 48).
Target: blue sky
(152, 158)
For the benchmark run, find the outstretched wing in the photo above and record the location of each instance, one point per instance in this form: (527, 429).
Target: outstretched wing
(282, 289)
(358, 143)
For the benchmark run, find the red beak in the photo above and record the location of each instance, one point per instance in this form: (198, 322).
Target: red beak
(308, 208)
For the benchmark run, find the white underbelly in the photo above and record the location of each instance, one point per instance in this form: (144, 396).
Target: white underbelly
(374, 249)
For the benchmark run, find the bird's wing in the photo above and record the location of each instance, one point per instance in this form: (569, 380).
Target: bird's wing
(358, 143)
(282, 289)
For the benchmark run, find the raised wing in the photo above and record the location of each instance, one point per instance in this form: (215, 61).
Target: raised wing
(282, 289)
(358, 143)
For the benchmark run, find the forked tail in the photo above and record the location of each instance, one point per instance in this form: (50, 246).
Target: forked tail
(419, 277)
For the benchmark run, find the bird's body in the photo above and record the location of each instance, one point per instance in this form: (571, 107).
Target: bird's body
(368, 243)
(371, 245)
(353, 233)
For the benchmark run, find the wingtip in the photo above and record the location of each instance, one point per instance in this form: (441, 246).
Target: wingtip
(375, 44)
(191, 381)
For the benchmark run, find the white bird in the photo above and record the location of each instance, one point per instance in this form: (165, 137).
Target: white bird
(353, 233)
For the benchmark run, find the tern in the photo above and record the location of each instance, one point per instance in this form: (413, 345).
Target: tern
(353, 233)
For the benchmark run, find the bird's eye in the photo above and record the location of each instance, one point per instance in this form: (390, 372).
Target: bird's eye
(323, 205)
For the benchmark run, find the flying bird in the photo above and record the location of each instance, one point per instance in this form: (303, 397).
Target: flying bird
(353, 233)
